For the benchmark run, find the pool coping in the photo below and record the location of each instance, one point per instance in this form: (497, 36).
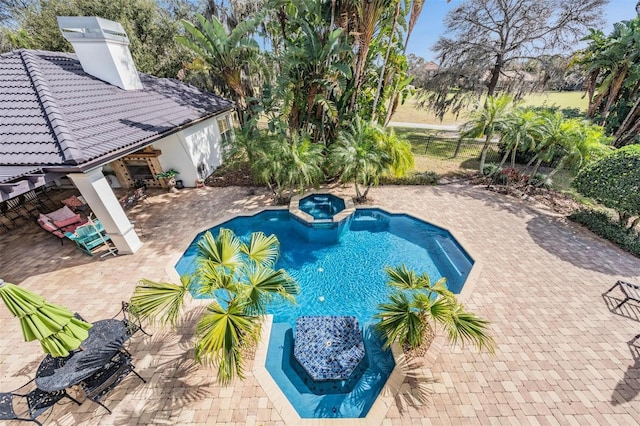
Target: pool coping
(390, 390)
(294, 208)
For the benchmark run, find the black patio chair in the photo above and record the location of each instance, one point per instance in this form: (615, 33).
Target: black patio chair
(102, 382)
(17, 405)
(631, 292)
(131, 320)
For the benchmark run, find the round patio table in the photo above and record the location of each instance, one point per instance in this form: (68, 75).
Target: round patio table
(104, 341)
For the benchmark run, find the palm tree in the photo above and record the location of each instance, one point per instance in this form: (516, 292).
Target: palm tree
(241, 279)
(419, 304)
(288, 165)
(522, 129)
(363, 152)
(488, 121)
(583, 142)
(227, 54)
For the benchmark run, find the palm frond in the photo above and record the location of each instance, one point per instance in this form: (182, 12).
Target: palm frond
(224, 250)
(160, 302)
(467, 327)
(399, 321)
(221, 335)
(263, 249)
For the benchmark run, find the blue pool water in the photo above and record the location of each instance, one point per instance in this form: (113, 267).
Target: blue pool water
(340, 270)
(347, 277)
(322, 206)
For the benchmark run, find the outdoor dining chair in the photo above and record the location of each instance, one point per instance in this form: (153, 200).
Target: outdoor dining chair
(631, 292)
(102, 382)
(17, 405)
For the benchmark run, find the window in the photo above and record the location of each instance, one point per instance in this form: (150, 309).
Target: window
(226, 132)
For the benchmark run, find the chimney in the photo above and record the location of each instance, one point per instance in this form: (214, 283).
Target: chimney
(102, 48)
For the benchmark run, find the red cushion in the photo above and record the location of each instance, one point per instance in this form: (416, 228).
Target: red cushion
(72, 202)
(66, 222)
(46, 224)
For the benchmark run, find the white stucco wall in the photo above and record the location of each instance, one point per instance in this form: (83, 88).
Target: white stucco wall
(185, 150)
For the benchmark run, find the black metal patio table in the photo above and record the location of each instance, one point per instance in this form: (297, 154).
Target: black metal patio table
(105, 340)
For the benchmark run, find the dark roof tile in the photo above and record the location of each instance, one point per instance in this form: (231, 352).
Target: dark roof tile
(53, 113)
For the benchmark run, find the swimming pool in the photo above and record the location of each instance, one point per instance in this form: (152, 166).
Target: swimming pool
(340, 269)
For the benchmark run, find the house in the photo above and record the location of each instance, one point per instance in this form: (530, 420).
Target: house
(92, 118)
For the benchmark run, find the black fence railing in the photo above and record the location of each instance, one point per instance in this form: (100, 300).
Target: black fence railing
(463, 148)
(468, 148)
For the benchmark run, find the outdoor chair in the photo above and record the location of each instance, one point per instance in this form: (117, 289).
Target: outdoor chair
(99, 384)
(60, 221)
(33, 202)
(29, 406)
(631, 292)
(89, 236)
(8, 215)
(15, 205)
(131, 320)
(75, 203)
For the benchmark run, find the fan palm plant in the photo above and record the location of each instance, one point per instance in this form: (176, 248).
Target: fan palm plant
(487, 122)
(241, 279)
(419, 304)
(363, 152)
(286, 166)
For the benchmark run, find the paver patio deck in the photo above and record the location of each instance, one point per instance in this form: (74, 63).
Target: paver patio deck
(562, 356)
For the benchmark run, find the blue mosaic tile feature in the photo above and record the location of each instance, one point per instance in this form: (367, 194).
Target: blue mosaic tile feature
(328, 347)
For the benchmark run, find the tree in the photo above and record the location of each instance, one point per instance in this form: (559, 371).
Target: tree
(486, 37)
(150, 29)
(286, 165)
(522, 129)
(227, 55)
(612, 64)
(363, 152)
(614, 181)
(488, 121)
(241, 279)
(418, 304)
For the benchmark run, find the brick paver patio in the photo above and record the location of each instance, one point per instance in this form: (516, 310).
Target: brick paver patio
(563, 357)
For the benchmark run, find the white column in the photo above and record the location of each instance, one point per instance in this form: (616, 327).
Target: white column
(96, 191)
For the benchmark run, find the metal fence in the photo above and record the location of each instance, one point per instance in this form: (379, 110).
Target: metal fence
(447, 148)
(467, 148)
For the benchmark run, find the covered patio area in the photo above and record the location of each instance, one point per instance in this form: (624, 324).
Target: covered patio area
(562, 354)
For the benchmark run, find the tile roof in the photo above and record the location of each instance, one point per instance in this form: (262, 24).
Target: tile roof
(54, 115)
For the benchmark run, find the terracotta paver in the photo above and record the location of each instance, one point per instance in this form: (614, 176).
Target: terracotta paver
(562, 356)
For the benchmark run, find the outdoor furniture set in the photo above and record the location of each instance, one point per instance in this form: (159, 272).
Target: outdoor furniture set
(24, 207)
(97, 367)
(67, 222)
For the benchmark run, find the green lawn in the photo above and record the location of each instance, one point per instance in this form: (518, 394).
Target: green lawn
(435, 151)
(408, 113)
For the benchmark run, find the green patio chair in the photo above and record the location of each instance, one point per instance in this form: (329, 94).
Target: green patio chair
(88, 237)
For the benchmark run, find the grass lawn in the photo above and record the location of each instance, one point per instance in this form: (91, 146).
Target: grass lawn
(434, 152)
(408, 113)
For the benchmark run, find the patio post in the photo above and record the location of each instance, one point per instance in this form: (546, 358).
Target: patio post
(96, 190)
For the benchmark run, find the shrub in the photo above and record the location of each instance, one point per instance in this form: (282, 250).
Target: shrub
(614, 181)
(601, 224)
(490, 170)
(541, 181)
(426, 178)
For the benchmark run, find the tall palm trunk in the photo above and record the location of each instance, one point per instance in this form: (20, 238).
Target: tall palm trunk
(485, 148)
(416, 9)
(396, 13)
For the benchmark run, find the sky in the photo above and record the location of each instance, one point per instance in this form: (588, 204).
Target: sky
(430, 24)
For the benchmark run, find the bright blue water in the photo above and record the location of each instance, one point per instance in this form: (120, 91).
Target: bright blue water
(341, 272)
(322, 206)
(346, 399)
(346, 276)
